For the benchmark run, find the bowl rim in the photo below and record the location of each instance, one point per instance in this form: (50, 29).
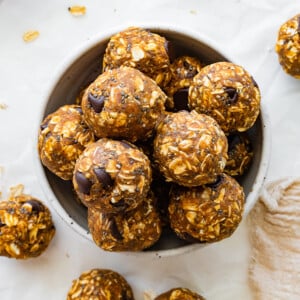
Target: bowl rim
(68, 61)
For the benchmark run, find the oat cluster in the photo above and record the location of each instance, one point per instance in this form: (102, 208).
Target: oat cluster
(228, 93)
(26, 227)
(140, 49)
(288, 46)
(100, 284)
(62, 138)
(150, 142)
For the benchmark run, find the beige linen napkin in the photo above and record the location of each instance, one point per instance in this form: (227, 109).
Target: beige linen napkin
(274, 270)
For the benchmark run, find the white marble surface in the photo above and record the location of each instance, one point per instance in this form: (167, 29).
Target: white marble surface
(245, 29)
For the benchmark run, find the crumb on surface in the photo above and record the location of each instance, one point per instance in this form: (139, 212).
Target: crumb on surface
(16, 190)
(30, 35)
(148, 295)
(3, 106)
(77, 10)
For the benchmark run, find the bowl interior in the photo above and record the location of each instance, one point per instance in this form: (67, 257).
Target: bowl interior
(82, 71)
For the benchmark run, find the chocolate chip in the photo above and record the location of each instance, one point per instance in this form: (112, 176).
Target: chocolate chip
(79, 109)
(114, 230)
(232, 94)
(254, 82)
(216, 184)
(170, 50)
(84, 184)
(45, 124)
(120, 205)
(191, 71)
(103, 177)
(36, 206)
(97, 102)
(1, 224)
(180, 99)
(126, 144)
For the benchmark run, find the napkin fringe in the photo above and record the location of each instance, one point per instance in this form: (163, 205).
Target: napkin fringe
(274, 231)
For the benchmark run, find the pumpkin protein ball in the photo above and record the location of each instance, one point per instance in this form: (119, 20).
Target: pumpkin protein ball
(62, 137)
(112, 176)
(240, 154)
(288, 46)
(123, 103)
(140, 49)
(182, 69)
(134, 230)
(228, 93)
(100, 284)
(207, 213)
(179, 294)
(26, 227)
(190, 148)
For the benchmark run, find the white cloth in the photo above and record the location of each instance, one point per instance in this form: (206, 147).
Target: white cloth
(245, 29)
(274, 226)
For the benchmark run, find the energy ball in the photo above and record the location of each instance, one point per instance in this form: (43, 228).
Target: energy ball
(240, 154)
(190, 148)
(123, 103)
(227, 93)
(207, 213)
(141, 49)
(288, 46)
(179, 294)
(135, 230)
(26, 227)
(100, 284)
(62, 137)
(112, 176)
(182, 70)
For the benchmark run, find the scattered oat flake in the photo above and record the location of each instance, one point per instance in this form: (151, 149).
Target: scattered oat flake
(148, 295)
(193, 12)
(30, 35)
(3, 106)
(77, 10)
(16, 190)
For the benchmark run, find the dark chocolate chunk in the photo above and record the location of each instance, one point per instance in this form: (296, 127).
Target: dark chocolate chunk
(191, 70)
(254, 82)
(180, 99)
(114, 230)
(126, 144)
(97, 102)
(79, 109)
(84, 184)
(36, 206)
(216, 184)
(1, 224)
(119, 204)
(232, 94)
(103, 177)
(45, 124)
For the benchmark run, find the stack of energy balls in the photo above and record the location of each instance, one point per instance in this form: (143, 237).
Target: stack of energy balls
(156, 141)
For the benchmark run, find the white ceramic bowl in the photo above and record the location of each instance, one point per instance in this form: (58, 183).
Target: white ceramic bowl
(80, 69)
